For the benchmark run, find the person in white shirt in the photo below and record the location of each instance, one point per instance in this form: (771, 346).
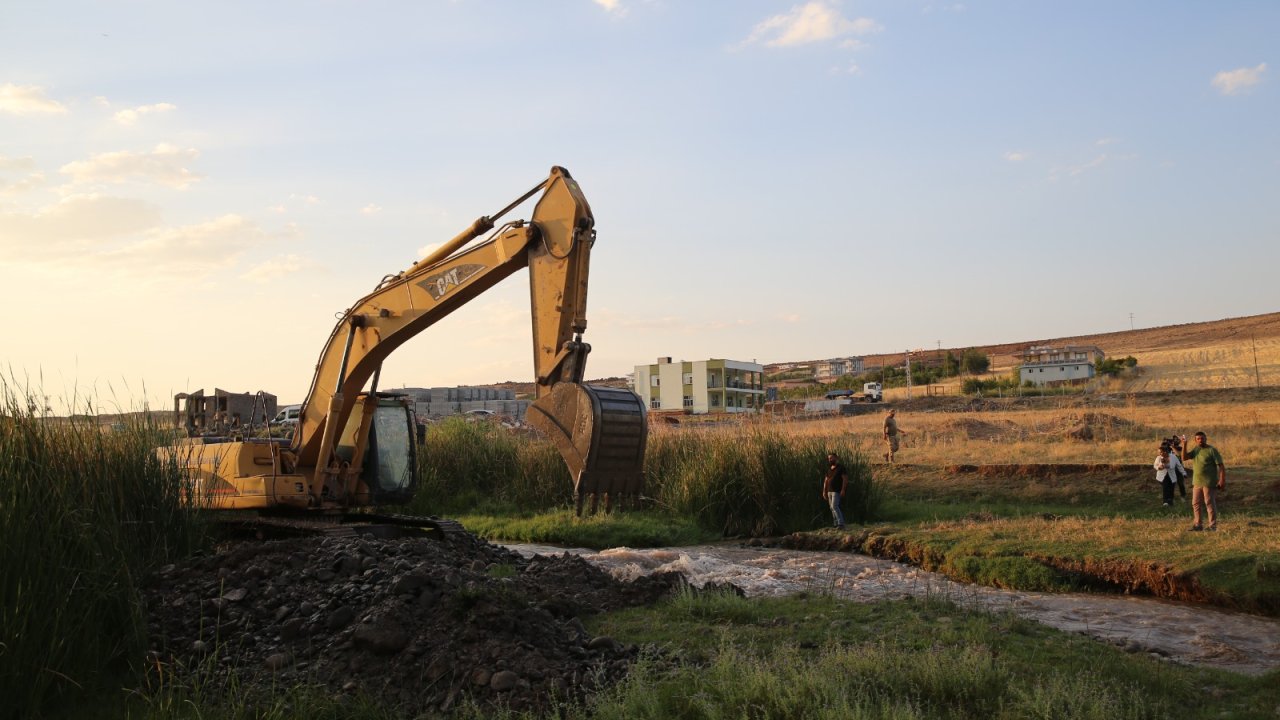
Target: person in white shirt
(1165, 473)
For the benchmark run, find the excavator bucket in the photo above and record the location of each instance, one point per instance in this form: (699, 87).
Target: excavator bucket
(601, 433)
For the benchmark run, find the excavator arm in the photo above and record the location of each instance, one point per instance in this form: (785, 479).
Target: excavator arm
(600, 432)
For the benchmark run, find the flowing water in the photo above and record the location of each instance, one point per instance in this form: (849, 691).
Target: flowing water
(1190, 634)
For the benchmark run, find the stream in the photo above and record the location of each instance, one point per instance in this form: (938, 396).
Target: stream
(1181, 632)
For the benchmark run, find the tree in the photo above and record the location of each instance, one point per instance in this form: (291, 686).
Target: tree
(950, 365)
(975, 362)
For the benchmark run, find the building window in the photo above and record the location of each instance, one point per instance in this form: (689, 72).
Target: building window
(688, 378)
(688, 401)
(653, 381)
(656, 404)
(715, 401)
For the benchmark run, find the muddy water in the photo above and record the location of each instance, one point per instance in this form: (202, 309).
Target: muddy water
(1189, 634)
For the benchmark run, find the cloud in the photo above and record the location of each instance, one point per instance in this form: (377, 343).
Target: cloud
(850, 69)
(275, 269)
(28, 183)
(1078, 170)
(308, 199)
(27, 100)
(1235, 82)
(612, 6)
(813, 22)
(370, 209)
(1103, 142)
(1015, 156)
(123, 237)
(166, 165)
(22, 164)
(72, 227)
(129, 117)
(188, 250)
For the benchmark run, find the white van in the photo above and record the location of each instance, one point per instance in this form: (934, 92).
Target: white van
(288, 415)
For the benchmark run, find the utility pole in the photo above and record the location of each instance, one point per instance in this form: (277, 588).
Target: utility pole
(1257, 377)
(1130, 321)
(908, 374)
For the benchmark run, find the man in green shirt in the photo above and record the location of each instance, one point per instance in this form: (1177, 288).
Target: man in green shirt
(1206, 466)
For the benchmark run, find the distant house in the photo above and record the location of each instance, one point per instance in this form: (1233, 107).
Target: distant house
(828, 370)
(222, 412)
(702, 386)
(1042, 364)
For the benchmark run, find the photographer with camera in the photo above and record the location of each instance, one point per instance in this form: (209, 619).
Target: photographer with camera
(1165, 473)
(1174, 443)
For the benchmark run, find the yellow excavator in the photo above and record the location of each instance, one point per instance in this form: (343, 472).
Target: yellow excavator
(355, 447)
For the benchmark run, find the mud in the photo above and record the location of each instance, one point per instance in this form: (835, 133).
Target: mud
(416, 624)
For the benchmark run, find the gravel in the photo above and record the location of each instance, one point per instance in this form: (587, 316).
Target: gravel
(417, 624)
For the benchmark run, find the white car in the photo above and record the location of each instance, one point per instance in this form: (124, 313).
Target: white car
(288, 415)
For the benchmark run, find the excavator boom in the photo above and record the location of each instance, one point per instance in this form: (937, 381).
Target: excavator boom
(340, 452)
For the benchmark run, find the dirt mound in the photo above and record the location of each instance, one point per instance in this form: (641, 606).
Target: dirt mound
(974, 429)
(1094, 426)
(416, 623)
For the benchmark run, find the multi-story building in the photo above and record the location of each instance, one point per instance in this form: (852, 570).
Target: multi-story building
(828, 370)
(701, 386)
(1042, 364)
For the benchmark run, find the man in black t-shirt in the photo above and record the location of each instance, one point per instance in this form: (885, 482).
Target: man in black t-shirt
(834, 485)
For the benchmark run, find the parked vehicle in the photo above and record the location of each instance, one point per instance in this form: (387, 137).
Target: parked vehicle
(288, 415)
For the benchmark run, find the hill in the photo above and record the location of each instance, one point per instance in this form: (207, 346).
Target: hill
(1234, 352)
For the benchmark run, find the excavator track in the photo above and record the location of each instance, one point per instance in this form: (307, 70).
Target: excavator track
(350, 524)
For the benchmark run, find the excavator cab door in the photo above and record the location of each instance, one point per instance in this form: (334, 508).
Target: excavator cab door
(390, 468)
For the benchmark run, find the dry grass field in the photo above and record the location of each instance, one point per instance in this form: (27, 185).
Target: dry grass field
(1121, 428)
(1220, 377)
(1231, 353)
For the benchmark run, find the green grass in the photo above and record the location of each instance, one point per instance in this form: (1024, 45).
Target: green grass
(599, 531)
(720, 656)
(1033, 532)
(84, 513)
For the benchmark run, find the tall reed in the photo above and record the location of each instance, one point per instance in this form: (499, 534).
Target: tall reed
(469, 464)
(754, 480)
(84, 511)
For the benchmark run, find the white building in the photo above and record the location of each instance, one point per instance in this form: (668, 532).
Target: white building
(702, 386)
(1043, 365)
(838, 367)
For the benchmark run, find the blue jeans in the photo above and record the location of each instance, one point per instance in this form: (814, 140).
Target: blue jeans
(834, 499)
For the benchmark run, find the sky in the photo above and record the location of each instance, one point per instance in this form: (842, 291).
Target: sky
(192, 193)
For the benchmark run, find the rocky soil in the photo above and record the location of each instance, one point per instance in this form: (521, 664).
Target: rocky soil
(420, 624)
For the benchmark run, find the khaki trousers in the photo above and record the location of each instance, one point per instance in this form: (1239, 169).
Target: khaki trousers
(1202, 498)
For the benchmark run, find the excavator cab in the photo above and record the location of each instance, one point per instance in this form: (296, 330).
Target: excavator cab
(389, 467)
